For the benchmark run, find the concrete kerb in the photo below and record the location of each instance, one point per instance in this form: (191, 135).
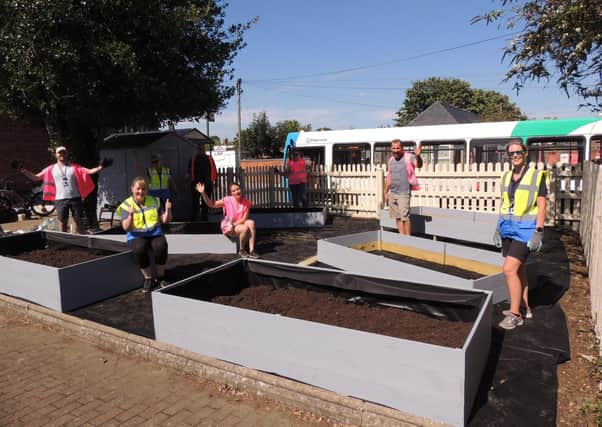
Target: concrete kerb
(295, 395)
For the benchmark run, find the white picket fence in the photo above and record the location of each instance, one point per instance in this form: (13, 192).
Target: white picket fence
(359, 190)
(590, 231)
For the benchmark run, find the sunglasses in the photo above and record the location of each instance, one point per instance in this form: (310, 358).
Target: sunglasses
(516, 153)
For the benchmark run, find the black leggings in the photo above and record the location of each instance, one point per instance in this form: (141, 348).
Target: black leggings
(142, 246)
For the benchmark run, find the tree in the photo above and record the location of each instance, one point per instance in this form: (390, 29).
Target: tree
(258, 137)
(557, 38)
(490, 105)
(282, 129)
(85, 68)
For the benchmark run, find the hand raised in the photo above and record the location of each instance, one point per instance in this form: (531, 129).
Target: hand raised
(200, 187)
(418, 149)
(167, 205)
(131, 210)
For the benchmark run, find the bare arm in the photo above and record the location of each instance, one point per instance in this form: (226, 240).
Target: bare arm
(167, 214)
(541, 211)
(200, 187)
(93, 170)
(126, 223)
(32, 176)
(417, 152)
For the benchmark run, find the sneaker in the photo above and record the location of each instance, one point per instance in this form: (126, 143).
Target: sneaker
(148, 285)
(254, 255)
(511, 321)
(526, 313)
(243, 253)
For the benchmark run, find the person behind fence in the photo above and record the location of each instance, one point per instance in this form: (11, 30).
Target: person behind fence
(296, 172)
(520, 228)
(199, 171)
(236, 221)
(401, 180)
(142, 216)
(67, 184)
(160, 182)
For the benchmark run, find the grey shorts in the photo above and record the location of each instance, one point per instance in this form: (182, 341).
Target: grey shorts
(75, 205)
(399, 206)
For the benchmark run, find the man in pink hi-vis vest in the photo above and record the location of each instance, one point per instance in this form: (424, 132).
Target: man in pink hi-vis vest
(67, 184)
(401, 180)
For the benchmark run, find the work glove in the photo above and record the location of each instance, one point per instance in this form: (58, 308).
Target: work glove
(15, 164)
(497, 238)
(535, 242)
(106, 162)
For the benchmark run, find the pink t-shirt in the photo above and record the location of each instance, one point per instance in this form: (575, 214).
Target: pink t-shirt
(235, 211)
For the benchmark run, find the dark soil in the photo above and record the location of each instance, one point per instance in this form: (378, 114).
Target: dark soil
(447, 269)
(61, 255)
(324, 307)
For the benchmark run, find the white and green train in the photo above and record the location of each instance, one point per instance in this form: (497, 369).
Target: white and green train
(568, 141)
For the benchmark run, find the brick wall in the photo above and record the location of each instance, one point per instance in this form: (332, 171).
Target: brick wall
(26, 143)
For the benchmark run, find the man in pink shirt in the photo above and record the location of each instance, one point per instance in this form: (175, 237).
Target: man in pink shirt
(67, 184)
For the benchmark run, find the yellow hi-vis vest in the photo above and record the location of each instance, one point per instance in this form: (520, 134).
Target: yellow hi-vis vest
(524, 207)
(145, 218)
(158, 180)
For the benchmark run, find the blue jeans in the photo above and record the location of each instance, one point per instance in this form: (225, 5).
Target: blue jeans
(299, 195)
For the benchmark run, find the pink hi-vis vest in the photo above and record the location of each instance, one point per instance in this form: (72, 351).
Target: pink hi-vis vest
(297, 173)
(407, 157)
(85, 184)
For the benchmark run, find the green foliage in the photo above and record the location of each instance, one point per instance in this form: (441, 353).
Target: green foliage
(557, 39)
(260, 138)
(87, 67)
(490, 105)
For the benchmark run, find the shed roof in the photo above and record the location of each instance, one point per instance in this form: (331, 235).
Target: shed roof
(141, 139)
(443, 114)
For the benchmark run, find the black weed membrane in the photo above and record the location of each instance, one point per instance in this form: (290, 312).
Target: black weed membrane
(444, 303)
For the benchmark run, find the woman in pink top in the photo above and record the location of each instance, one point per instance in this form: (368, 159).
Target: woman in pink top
(236, 220)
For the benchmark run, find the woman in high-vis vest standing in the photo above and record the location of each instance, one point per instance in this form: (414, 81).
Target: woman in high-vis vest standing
(520, 228)
(142, 216)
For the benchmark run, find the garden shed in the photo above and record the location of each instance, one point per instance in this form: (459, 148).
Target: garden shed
(131, 154)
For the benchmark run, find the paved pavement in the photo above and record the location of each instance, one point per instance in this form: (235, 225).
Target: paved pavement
(49, 379)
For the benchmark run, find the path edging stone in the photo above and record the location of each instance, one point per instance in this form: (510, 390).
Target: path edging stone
(336, 407)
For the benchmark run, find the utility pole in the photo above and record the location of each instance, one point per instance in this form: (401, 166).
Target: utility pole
(238, 91)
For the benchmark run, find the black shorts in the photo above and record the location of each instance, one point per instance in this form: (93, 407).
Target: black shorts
(515, 249)
(63, 206)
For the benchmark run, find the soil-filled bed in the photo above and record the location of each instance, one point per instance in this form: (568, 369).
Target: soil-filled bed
(448, 269)
(61, 255)
(430, 314)
(330, 309)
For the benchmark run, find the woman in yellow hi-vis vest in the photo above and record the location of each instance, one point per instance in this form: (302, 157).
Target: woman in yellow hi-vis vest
(142, 216)
(520, 228)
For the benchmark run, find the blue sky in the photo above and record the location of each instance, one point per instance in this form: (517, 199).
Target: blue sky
(347, 64)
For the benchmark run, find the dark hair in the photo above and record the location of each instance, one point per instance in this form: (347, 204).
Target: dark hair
(516, 142)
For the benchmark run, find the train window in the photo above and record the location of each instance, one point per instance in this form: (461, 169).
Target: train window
(553, 150)
(345, 154)
(382, 151)
(594, 151)
(488, 150)
(443, 152)
(313, 155)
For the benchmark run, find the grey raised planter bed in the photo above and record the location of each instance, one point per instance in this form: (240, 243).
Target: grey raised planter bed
(431, 381)
(475, 227)
(71, 287)
(268, 218)
(353, 253)
(186, 238)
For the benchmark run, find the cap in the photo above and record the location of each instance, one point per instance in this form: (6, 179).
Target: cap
(155, 157)
(59, 149)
